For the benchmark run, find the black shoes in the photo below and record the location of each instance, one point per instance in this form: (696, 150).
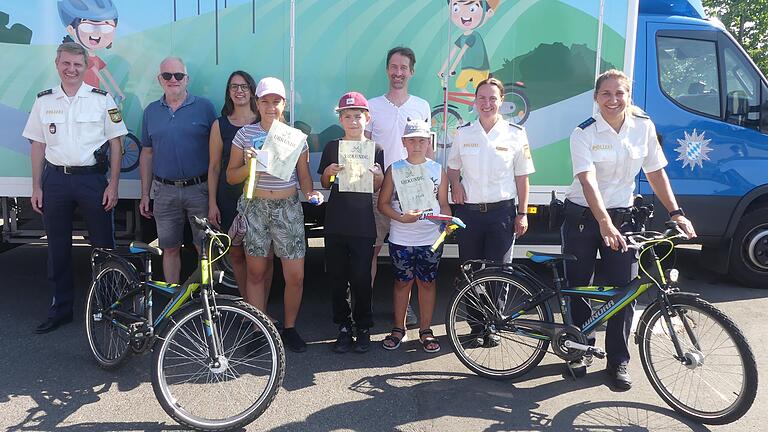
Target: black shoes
(293, 341)
(620, 375)
(344, 341)
(363, 340)
(52, 324)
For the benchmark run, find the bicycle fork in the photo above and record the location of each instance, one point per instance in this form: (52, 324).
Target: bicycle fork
(217, 361)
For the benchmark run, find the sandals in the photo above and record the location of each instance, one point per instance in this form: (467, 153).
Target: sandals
(427, 338)
(394, 339)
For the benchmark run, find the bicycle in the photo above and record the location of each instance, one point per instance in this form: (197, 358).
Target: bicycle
(500, 325)
(217, 362)
(446, 117)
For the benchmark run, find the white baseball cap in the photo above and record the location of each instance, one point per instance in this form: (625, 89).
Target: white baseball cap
(270, 85)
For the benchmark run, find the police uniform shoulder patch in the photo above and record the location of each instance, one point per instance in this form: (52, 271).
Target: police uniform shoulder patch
(114, 115)
(45, 92)
(99, 91)
(588, 122)
(464, 125)
(516, 125)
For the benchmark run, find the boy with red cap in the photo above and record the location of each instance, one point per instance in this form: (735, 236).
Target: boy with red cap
(350, 231)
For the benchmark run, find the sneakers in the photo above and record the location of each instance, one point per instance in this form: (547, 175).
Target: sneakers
(293, 341)
(579, 367)
(363, 340)
(410, 317)
(620, 374)
(344, 341)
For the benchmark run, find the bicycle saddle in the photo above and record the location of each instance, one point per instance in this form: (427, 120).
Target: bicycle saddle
(141, 247)
(542, 257)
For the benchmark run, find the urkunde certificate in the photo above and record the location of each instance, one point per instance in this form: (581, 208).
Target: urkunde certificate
(357, 159)
(284, 145)
(415, 190)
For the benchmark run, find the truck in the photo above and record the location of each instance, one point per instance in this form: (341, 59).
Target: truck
(706, 96)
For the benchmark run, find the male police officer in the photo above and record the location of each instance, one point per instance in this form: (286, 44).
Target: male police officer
(68, 127)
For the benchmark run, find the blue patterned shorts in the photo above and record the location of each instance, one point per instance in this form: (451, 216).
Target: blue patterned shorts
(418, 261)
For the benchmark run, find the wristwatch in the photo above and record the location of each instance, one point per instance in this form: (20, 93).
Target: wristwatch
(678, 212)
(522, 213)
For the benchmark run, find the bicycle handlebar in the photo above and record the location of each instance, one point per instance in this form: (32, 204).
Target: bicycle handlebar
(639, 239)
(205, 226)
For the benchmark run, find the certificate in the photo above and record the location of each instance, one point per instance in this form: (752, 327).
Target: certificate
(357, 159)
(284, 145)
(415, 189)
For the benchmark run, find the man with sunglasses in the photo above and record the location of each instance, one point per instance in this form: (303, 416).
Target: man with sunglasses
(68, 127)
(174, 162)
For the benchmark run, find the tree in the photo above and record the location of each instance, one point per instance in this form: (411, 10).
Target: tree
(747, 20)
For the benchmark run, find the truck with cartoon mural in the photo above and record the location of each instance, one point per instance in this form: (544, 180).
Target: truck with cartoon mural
(707, 98)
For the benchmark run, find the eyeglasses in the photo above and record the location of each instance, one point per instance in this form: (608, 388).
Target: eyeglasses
(168, 75)
(241, 87)
(91, 28)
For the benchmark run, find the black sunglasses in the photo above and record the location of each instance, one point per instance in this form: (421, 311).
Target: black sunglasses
(178, 75)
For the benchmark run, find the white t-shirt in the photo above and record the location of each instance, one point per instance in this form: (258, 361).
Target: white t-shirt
(421, 232)
(616, 158)
(388, 122)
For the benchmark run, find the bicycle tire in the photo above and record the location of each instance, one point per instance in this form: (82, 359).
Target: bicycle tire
(657, 356)
(131, 153)
(516, 107)
(112, 281)
(219, 391)
(466, 330)
(444, 138)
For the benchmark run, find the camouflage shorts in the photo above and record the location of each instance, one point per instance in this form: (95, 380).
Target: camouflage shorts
(278, 222)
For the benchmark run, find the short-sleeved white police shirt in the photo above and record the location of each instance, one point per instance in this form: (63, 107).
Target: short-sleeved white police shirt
(616, 158)
(73, 128)
(489, 162)
(388, 122)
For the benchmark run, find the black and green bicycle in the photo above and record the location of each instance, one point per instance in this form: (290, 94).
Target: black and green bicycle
(500, 325)
(218, 362)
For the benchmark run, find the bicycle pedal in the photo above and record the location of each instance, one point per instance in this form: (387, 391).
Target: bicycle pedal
(597, 352)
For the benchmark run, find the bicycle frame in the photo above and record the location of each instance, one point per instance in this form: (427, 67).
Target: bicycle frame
(180, 294)
(614, 298)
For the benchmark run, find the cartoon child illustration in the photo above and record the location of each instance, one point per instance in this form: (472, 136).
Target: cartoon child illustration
(468, 16)
(92, 24)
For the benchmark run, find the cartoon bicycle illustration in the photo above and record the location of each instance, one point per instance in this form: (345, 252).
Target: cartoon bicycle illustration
(446, 117)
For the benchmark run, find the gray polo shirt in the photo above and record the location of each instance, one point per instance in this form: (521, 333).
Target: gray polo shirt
(179, 139)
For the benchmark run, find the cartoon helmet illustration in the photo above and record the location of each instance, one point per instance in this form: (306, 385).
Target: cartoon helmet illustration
(94, 10)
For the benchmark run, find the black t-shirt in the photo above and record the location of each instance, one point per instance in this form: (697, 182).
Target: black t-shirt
(348, 213)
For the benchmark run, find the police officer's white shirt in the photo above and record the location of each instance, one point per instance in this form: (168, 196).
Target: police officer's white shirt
(73, 128)
(388, 122)
(490, 161)
(616, 158)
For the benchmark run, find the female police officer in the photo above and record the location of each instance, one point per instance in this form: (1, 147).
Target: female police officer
(607, 152)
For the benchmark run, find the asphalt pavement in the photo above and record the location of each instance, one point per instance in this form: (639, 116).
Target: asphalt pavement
(50, 382)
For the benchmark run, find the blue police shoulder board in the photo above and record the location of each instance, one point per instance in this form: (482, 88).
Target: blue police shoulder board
(588, 122)
(99, 91)
(45, 92)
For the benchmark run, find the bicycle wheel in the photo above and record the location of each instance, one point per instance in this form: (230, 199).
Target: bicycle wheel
(444, 125)
(482, 343)
(109, 343)
(228, 395)
(720, 384)
(516, 107)
(131, 152)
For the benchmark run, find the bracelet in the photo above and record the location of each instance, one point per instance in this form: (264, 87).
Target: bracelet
(678, 212)
(522, 213)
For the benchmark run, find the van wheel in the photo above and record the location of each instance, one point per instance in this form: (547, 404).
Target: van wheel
(749, 253)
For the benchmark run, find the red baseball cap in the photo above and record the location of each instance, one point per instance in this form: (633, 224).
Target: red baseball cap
(352, 100)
